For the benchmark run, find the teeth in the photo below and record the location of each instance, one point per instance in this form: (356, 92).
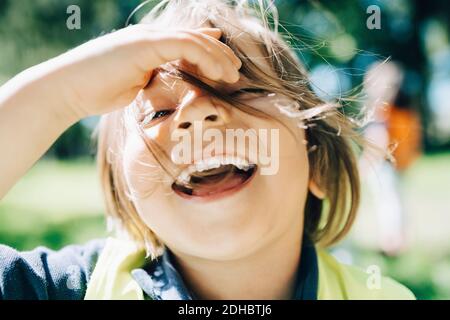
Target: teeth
(213, 163)
(208, 164)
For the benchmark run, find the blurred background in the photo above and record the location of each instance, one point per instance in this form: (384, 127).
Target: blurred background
(390, 58)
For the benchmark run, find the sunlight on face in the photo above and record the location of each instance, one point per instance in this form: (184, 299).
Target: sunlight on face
(230, 212)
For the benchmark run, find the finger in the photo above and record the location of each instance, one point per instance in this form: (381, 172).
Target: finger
(228, 51)
(216, 33)
(190, 49)
(223, 54)
(230, 72)
(212, 62)
(231, 54)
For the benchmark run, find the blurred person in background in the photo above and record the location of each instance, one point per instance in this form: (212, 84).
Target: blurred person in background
(395, 131)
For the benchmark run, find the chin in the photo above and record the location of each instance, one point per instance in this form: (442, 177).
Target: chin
(228, 245)
(226, 234)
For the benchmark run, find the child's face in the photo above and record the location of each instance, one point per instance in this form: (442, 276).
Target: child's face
(220, 217)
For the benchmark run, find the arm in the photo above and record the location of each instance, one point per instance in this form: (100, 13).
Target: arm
(29, 123)
(97, 77)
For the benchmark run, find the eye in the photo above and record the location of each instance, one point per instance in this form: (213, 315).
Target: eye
(160, 114)
(155, 115)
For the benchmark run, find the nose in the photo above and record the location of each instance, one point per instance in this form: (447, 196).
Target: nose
(199, 109)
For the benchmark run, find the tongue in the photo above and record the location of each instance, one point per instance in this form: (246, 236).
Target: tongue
(209, 187)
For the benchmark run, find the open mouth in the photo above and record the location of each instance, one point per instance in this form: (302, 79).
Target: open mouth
(214, 177)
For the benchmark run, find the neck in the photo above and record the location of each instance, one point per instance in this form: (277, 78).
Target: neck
(268, 273)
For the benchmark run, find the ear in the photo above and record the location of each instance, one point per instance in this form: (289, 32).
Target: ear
(316, 190)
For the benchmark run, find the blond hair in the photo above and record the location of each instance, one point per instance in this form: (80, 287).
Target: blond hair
(330, 134)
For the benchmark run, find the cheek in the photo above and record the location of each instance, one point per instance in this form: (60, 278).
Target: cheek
(142, 172)
(149, 185)
(283, 148)
(289, 185)
(294, 157)
(294, 169)
(286, 192)
(294, 164)
(282, 189)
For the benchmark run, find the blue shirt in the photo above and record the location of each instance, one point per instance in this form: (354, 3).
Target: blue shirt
(44, 274)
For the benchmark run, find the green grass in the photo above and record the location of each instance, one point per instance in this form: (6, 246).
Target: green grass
(55, 204)
(424, 266)
(426, 200)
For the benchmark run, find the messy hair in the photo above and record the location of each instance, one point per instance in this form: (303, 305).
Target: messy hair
(330, 135)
